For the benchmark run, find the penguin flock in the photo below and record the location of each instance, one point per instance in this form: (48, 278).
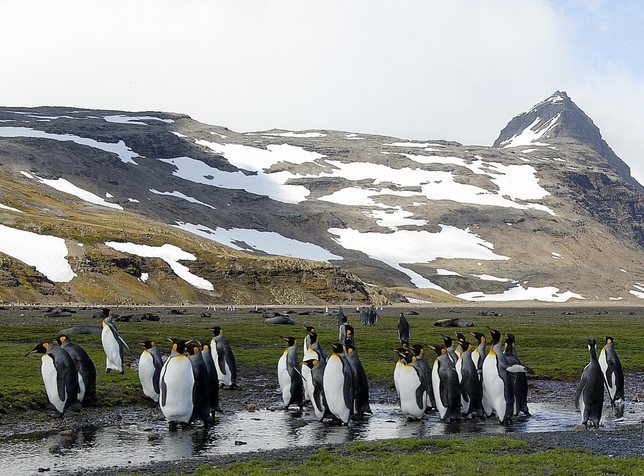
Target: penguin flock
(464, 379)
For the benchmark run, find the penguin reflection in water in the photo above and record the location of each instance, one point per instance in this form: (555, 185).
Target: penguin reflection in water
(613, 375)
(59, 376)
(289, 376)
(589, 398)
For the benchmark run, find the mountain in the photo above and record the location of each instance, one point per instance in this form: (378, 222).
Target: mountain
(154, 207)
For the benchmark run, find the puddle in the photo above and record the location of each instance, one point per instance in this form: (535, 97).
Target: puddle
(133, 443)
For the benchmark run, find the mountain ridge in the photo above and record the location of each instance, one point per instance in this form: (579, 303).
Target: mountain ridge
(393, 219)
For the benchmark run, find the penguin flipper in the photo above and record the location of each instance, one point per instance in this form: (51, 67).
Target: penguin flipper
(61, 374)
(580, 390)
(519, 368)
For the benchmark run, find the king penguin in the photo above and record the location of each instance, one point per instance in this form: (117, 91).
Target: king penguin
(84, 366)
(288, 375)
(224, 359)
(613, 375)
(177, 383)
(423, 364)
(404, 331)
(412, 386)
(312, 350)
(213, 379)
(498, 396)
(470, 383)
(478, 352)
(150, 363)
(113, 345)
(589, 398)
(59, 376)
(447, 392)
(519, 379)
(200, 394)
(338, 384)
(315, 385)
(360, 382)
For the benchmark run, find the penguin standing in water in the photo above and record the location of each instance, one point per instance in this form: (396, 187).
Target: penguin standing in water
(312, 350)
(423, 365)
(470, 383)
(412, 386)
(84, 366)
(213, 379)
(200, 394)
(150, 364)
(288, 375)
(315, 385)
(447, 392)
(338, 384)
(519, 379)
(222, 356)
(177, 382)
(613, 375)
(498, 396)
(589, 398)
(59, 376)
(113, 345)
(360, 382)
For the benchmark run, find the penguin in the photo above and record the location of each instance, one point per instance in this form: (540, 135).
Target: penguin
(589, 398)
(84, 366)
(200, 393)
(470, 384)
(412, 386)
(177, 382)
(448, 342)
(478, 352)
(613, 375)
(445, 385)
(423, 364)
(113, 345)
(224, 359)
(404, 331)
(519, 379)
(213, 379)
(342, 331)
(498, 396)
(360, 382)
(150, 363)
(59, 375)
(288, 375)
(338, 384)
(315, 385)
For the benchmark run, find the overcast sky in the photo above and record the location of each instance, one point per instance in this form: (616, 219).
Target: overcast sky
(413, 69)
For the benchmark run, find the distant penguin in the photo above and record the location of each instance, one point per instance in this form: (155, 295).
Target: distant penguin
(222, 356)
(404, 331)
(315, 385)
(424, 365)
(470, 384)
(84, 366)
(177, 384)
(338, 384)
(360, 382)
(447, 392)
(150, 364)
(519, 379)
(613, 375)
(498, 396)
(213, 379)
(289, 376)
(113, 345)
(350, 336)
(59, 376)
(589, 398)
(200, 394)
(412, 386)
(342, 330)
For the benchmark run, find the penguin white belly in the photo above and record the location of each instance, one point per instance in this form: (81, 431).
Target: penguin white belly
(409, 382)
(146, 375)
(488, 373)
(224, 374)
(49, 377)
(284, 379)
(611, 383)
(436, 382)
(177, 382)
(306, 373)
(397, 369)
(333, 383)
(493, 388)
(112, 350)
(81, 388)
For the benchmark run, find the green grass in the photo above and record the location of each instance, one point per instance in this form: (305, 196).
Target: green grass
(473, 456)
(551, 343)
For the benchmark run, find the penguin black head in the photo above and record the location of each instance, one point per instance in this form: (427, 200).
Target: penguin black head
(106, 312)
(178, 345)
(608, 340)
(405, 355)
(592, 343)
(216, 330)
(439, 349)
(337, 348)
(479, 336)
(41, 348)
(496, 335)
(310, 363)
(310, 329)
(291, 341)
(62, 338)
(460, 338)
(465, 345)
(447, 340)
(148, 344)
(348, 348)
(349, 329)
(192, 348)
(418, 349)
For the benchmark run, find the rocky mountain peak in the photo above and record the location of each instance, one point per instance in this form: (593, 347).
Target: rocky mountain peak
(559, 117)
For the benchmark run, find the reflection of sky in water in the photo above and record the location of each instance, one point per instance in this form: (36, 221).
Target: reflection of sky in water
(136, 443)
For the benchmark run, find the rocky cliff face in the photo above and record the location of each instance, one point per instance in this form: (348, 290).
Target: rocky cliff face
(315, 216)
